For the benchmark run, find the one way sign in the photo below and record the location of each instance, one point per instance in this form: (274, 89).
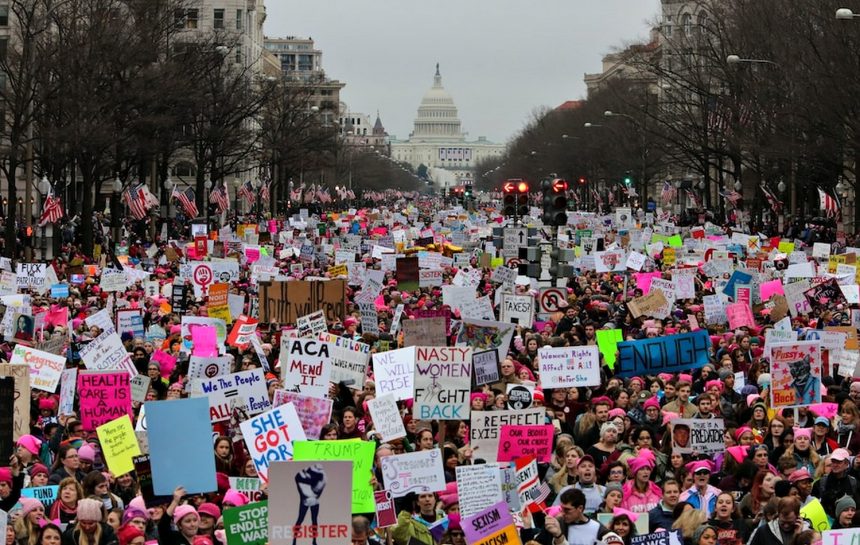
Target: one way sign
(515, 237)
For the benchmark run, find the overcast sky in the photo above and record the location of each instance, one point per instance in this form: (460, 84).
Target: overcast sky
(500, 59)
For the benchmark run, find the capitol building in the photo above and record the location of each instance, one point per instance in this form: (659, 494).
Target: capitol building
(438, 141)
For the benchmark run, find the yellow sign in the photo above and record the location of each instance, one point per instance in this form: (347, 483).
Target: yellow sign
(338, 270)
(669, 256)
(119, 445)
(785, 247)
(835, 260)
(508, 535)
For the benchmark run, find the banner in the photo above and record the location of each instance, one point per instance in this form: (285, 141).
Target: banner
(486, 367)
(568, 367)
(314, 413)
(667, 354)
(795, 370)
(349, 360)
(309, 502)
(485, 429)
(103, 397)
(442, 382)
(394, 372)
(306, 366)
(425, 332)
(270, 436)
(419, 472)
(106, 353)
(698, 435)
(284, 302)
(361, 454)
(247, 388)
(387, 420)
(517, 309)
(478, 487)
(119, 445)
(247, 525)
(484, 335)
(492, 526)
(45, 369)
(523, 441)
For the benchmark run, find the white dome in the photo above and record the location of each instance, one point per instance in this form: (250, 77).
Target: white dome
(437, 115)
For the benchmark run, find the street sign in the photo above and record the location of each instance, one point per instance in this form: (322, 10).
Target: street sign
(515, 237)
(513, 263)
(550, 299)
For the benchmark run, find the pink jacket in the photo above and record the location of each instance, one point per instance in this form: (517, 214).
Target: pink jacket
(638, 502)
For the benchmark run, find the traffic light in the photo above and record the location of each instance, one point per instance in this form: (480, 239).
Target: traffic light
(554, 202)
(522, 199)
(628, 180)
(515, 193)
(468, 190)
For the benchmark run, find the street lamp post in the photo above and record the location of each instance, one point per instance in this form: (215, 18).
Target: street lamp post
(643, 155)
(207, 185)
(258, 184)
(115, 211)
(237, 183)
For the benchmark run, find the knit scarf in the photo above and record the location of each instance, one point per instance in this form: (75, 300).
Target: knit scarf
(844, 429)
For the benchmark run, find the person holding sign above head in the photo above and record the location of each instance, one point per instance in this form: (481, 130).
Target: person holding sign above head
(572, 527)
(184, 519)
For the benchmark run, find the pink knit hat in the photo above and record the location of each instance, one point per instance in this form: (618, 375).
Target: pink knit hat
(235, 498)
(803, 432)
(28, 505)
(738, 452)
(635, 464)
(89, 510)
(30, 443)
(183, 511)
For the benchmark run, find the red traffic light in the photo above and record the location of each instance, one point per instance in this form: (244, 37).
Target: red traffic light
(559, 185)
(523, 187)
(582, 180)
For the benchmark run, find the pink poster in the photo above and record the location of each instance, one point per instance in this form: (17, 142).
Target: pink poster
(643, 280)
(205, 341)
(739, 315)
(795, 370)
(103, 397)
(523, 441)
(313, 413)
(769, 289)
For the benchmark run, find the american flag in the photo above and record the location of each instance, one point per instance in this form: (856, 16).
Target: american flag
(187, 200)
(731, 196)
(265, 192)
(219, 198)
(136, 199)
(720, 115)
(597, 198)
(697, 200)
(667, 194)
(296, 194)
(247, 191)
(53, 211)
(772, 199)
(829, 205)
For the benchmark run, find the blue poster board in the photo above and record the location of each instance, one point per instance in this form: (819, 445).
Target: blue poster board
(180, 446)
(668, 354)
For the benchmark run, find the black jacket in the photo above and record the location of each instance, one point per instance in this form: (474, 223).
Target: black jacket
(71, 537)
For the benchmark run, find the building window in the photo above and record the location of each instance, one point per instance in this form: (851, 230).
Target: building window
(687, 23)
(667, 26)
(240, 23)
(4, 15)
(185, 19)
(702, 22)
(218, 19)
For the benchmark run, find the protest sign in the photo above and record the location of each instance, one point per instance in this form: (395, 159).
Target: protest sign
(419, 472)
(607, 343)
(243, 329)
(484, 335)
(270, 436)
(485, 429)
(442, 382)
(249, 486)
(284, 302)
(68, 383)
(650, 304)
(180, 422)
(739, 315)
(248, 524)
(203, 274)
(478, 487)
(320, 485)
(842, 536)
(486, 367)
(424, 332)
(203, 336)
(395, 373)
(312, 324)
(795, 370)
(665, 538)
(113, 280)
(11, 420)
(119, 445)
(200, 367)
(359, 452)
(314, 413)
(491, 526)
(349, 359)
(130, 320)
(45, 369)
(529, 487)
(218, 305)
(103, 397)
(45, 494)
(522, 441)
(698, 435)
(139, 385)
(517, 309)
(520, 396)
(386, 514)
(31, 276)
(387, 420)
(568, 367)
(667, 354)
(106, 353)
(248, 388)
(306, 366)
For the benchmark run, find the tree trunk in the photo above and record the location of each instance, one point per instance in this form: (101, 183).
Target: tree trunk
(11, 211)
(87, 212)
